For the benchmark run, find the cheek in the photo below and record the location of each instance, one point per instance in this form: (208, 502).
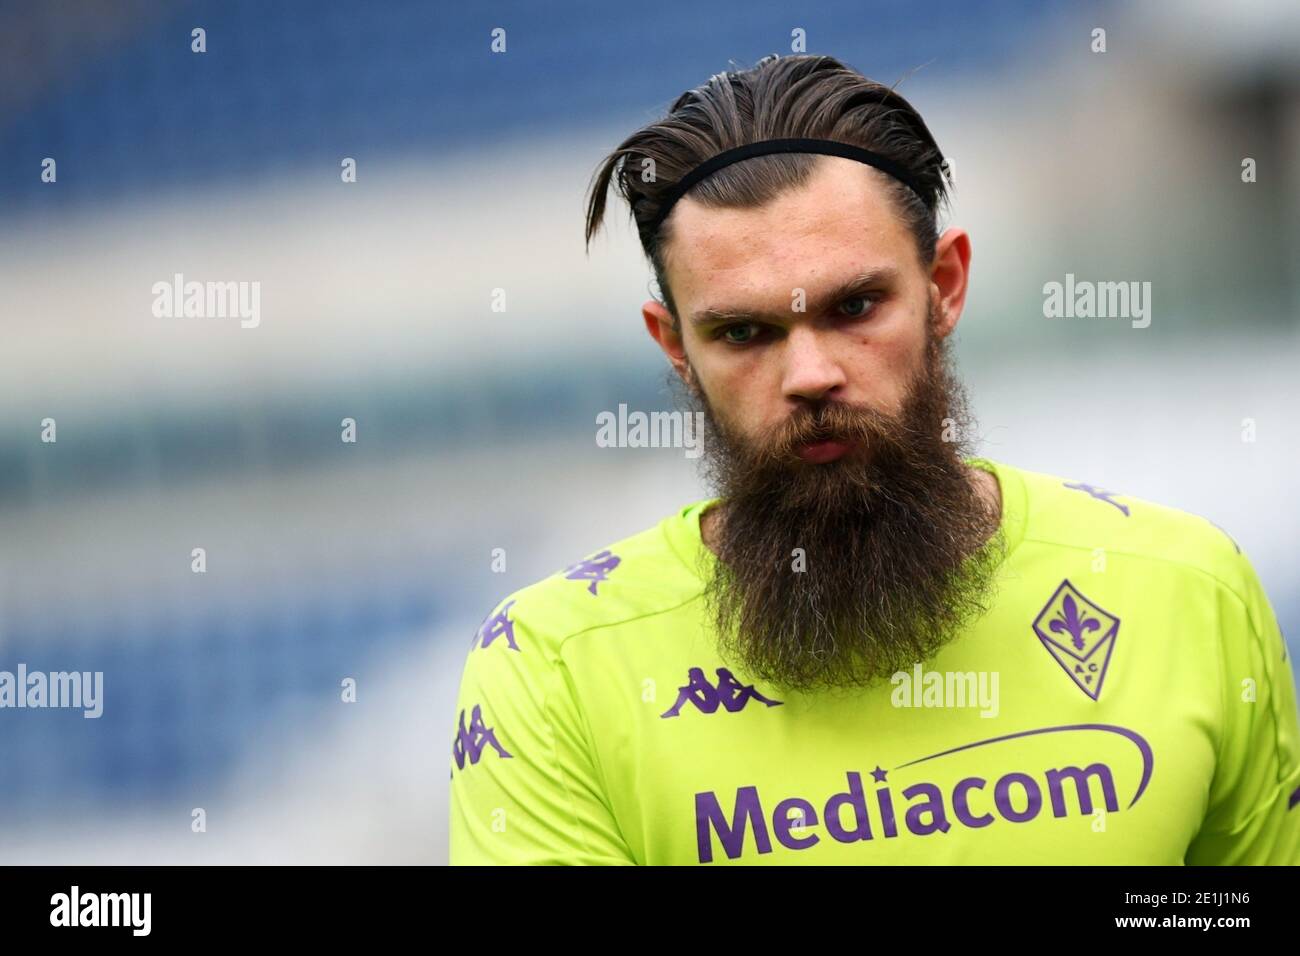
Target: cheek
(742, 398)
(904, 356)
(886, 363)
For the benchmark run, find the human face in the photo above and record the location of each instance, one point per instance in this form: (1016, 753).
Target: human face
(817, 296)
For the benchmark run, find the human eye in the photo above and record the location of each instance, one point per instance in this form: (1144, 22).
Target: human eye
(738, 333)
(863, 303)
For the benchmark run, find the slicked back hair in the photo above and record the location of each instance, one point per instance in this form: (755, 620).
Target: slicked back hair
(801, 96)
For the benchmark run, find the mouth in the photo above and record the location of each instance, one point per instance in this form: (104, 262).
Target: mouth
(821, 452)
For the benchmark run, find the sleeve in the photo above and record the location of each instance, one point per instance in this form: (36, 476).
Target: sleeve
(525, 785)
(1254, 810)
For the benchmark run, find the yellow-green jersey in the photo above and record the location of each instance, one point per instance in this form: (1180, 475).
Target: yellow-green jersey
(1126, 699)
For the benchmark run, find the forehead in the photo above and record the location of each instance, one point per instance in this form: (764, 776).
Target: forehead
(841, 221)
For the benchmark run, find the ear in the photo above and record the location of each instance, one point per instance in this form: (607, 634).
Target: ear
(659, 323)
(949, 276)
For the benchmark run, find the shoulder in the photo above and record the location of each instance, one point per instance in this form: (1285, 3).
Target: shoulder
(1069, 512)
(641, 575)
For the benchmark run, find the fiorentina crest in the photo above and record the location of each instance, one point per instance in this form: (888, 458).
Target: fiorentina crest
(1079, 634)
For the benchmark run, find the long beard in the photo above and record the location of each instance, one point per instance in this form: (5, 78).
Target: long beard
(836, 574)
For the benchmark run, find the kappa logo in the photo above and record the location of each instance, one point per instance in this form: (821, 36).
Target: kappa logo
(730, 694)
(594, 569)
(470, 743)
(494, 626)
(1079, 634)
(1099, 493)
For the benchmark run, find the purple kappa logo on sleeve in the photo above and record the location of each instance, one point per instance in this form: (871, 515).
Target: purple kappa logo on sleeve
(497, 625)
(1098, 493)
(470, 742)
(594, 569)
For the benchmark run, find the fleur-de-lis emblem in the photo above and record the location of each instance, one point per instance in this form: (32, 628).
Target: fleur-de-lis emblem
(1091, 631)
(1070, 620)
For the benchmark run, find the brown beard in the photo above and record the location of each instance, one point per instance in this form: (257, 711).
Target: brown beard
(900, 549)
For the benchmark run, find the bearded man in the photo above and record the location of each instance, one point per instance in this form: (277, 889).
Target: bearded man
(869, 646)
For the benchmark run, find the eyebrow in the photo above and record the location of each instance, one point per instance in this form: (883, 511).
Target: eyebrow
(845, 290)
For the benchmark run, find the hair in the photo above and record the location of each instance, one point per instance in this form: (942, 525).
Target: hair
(779, 97)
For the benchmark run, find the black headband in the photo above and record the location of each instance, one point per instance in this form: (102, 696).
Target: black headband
(826, 147)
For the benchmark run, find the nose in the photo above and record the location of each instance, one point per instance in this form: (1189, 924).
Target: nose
(811, 371)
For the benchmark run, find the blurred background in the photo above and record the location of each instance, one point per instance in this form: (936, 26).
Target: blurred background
(475, 428)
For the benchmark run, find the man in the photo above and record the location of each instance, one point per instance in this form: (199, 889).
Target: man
(869, 647)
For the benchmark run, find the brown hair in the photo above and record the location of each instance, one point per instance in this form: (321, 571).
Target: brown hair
(779, 97)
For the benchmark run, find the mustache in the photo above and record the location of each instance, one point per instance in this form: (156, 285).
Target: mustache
(847, 422)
